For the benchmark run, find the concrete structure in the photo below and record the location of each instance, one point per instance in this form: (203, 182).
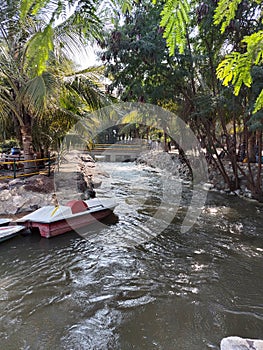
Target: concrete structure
(118, 152)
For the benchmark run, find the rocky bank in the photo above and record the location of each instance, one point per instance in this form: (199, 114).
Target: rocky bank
(165, 161)
(76, 178)
(172, 163)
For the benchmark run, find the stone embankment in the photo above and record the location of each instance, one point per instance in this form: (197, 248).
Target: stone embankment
(76, 178)
(168, 161)
(171, 162)
(22, 195)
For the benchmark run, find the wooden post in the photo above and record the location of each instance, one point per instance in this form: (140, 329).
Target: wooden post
(49, 164)
(14, 168)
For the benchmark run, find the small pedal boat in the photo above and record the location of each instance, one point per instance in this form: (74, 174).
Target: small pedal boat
(54, 220)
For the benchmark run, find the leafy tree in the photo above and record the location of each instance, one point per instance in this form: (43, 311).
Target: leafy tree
(34, 64)
(138, 62)
(237, 66)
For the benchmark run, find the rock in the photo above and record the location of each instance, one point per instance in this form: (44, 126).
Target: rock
(16, 182)
(4, 186)
(82, 185)
(40, 184)
(97, 183)
(18, 201)
(165, 161)
(237, 343)
(87, 158)
(5, 195)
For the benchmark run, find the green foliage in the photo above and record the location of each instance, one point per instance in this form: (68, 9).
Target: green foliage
(236, 67)
(225, 12)
(28, 7)
(255, 122)
(85, 92)
(34, 88)
(175, 18)
(38, 50)
(136, 58)
(255, 47)
(236, 70)
(70, 22)
(7, 145)
(259, 102)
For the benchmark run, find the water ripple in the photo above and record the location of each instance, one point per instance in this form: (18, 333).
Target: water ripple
(106, 292)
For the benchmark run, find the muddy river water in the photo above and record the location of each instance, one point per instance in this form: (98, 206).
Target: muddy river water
(113, 288)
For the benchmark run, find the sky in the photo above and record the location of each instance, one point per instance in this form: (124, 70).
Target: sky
(88, 58)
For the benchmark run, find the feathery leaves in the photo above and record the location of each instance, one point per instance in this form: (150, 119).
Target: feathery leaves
(175, 18)
(225, 12)
(236, 67)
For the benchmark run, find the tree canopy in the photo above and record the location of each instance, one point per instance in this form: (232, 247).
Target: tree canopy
(236, 67)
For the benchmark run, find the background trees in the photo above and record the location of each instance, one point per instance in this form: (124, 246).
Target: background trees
(185, 77)
(170, 54)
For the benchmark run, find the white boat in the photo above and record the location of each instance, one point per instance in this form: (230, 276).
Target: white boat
(4, 221)
(7, 232)
(53, 220)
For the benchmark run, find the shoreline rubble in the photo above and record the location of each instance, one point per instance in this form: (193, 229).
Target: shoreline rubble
(215, 182)
(77, 177)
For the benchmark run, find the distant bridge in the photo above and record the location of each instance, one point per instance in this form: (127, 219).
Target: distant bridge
(118, 152)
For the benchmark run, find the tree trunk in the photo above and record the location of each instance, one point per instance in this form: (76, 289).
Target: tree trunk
(165, 145)
(232, 181)
(258, 193)
(26, 133)
(251, 147)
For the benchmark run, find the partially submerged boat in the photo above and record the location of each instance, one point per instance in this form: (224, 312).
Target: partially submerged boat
(7, 232)
(54, 220)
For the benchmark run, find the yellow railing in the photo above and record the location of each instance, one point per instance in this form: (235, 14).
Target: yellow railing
(13, 166)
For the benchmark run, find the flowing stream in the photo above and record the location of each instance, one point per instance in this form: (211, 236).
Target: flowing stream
(136, 282)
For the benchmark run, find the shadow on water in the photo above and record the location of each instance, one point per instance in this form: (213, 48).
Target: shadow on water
(176, 291)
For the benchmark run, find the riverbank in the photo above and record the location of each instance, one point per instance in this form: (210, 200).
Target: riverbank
(77, 177)
(165, 161)
(172, 163)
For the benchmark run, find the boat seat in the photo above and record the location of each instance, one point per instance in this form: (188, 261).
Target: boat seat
(77, 206)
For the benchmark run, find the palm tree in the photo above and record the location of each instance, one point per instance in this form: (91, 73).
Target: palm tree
(35, 71)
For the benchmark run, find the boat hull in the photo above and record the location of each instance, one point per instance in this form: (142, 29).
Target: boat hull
(4, 222)
(52, 229)
(8, 232)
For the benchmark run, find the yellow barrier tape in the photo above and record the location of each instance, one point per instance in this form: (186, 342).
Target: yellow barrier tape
(6, 177)
(22, 175)
(26, 161)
